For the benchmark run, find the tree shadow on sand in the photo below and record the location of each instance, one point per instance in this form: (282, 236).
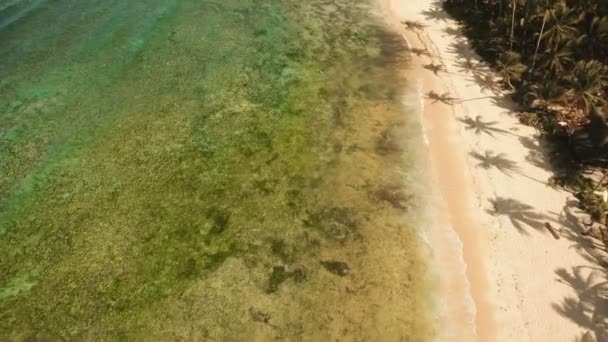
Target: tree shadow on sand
(436, 12)
(435, 68)
(489, 160)
(419, 52)
(462, 50)
(413, 25)
(445, 98)
(542, 155)
(584, 238)
(589, 308)
(590, 284)
(521, 215)
(453, 31)
(479, 126)
(479, 73)
(487, 82)
(466, 65)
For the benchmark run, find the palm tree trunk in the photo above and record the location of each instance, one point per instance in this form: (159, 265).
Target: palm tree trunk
(500, 12)
(540, 37)
(512, 24)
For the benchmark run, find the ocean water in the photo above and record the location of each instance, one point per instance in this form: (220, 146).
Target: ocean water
(208, 170)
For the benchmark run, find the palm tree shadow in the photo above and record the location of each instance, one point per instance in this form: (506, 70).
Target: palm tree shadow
(453, 31)
(443, 98)
(419, 52)
(480, 126)
(589, 308)
(413, 25)
(462, 50)
(436, 13)
(585, 239)
(503, 100)
(521, 215)
(466, 65)
(490, 160)
(486, 82)
(435, 68)
(542, 154)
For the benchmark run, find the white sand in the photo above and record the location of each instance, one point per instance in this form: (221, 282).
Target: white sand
(527, 286)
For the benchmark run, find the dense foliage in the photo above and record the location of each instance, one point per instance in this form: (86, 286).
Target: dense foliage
(554, 55)
(554, 52)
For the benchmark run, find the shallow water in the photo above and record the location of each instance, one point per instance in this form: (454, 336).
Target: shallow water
(208, 170)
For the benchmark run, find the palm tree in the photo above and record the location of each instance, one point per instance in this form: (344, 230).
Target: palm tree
(563, 22)
(594, 39)
(540, 35)
(556, 59)
(514, 4)
(510, 67)
(542, 93)
(585, 83)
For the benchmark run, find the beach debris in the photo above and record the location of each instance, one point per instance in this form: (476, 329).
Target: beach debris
(336, 267)
(551, 230)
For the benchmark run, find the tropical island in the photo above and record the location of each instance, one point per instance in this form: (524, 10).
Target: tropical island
(320, 170)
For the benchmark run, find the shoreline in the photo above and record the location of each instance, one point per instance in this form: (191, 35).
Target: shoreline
(467, 282)
(490, 174)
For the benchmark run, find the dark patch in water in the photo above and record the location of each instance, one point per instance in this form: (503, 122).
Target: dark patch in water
(338, 268)
(299, 275)
(394, 196)
(219, 220)
(259, 316)
(280, 274)
(336, 223)
(277, 277)
(387, 144)
(279, 248)
(265, 186)
(189, 268)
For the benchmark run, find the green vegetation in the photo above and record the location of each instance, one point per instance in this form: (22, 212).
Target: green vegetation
(554, 54)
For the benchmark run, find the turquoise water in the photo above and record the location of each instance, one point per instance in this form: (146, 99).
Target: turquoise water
(206, 170)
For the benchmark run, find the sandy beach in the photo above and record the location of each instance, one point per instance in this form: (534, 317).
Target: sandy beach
(491, 174)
